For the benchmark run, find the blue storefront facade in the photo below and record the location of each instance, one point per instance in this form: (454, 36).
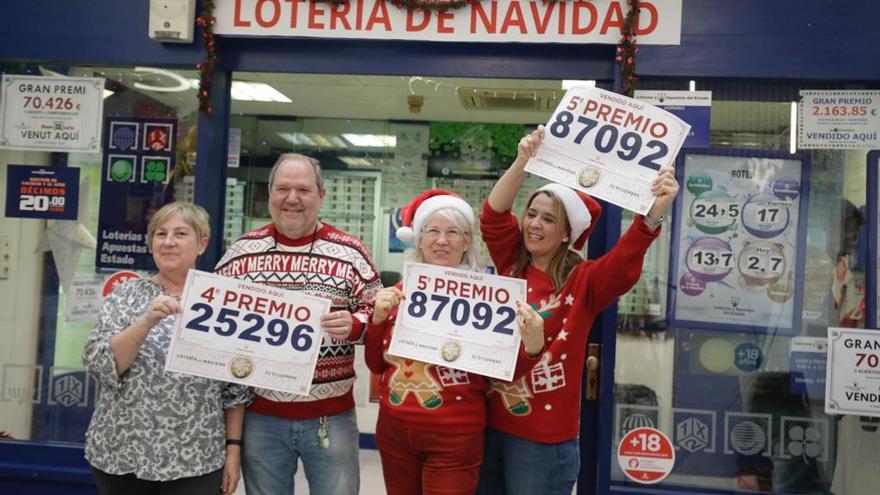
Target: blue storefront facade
(755, 58)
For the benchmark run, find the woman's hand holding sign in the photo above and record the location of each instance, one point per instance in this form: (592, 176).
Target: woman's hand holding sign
(160, 308)
(665, 188)
(531, 326)
(387, 300)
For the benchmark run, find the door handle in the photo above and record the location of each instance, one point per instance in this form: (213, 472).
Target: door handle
(592, 388)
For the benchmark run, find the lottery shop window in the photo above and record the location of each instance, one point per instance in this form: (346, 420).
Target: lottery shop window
(51, 274)
(743, 404)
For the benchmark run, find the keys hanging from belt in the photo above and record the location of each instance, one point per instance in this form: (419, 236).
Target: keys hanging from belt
(323, 432)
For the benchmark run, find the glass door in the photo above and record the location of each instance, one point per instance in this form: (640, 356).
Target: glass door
(721, 344)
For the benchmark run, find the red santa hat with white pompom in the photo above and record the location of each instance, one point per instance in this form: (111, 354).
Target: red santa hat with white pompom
(581, 209)
(426, 204)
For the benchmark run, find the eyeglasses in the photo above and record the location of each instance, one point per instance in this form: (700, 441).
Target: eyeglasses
(433, 233)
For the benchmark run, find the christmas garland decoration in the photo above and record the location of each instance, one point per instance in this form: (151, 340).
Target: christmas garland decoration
(206, 21)
(627, 50)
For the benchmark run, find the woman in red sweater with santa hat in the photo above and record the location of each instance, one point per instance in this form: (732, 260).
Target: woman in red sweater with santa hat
(533, 422)
(432, 418)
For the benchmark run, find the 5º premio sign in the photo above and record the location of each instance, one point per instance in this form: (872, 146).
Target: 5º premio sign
(42, 192)
(459, 319)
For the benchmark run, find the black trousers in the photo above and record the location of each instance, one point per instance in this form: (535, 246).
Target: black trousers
(128, 484)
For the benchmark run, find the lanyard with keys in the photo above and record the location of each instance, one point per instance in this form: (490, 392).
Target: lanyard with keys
(323, 435)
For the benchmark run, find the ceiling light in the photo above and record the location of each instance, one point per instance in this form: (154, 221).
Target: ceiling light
(320, 140)
(353, 161)
(692, 85)
(251, 91)
(575, 83)
(338, 142)
(793, 129)
(371, 140)
(296, 138)
(254, 91)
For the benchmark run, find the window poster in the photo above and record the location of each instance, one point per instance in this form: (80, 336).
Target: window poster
(42, 192)
(839, 120)
(41, 113)
(873, 272)
(138, 163)
(736, 259)
(693, 107)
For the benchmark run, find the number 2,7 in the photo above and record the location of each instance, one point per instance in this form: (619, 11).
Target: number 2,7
(460, 312)
(278, 329)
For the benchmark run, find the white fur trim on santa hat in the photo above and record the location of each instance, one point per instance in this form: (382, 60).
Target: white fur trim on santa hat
(405, 234)
(428, 208)
(579, 217)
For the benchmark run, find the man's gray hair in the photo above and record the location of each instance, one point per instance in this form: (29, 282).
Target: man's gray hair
(316, 165)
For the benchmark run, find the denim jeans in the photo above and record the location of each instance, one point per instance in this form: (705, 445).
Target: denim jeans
(515, 466)
(272, 447)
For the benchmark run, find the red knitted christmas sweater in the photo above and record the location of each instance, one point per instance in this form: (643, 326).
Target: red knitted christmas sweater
(544, 404)
(330, 264)
(422, 396)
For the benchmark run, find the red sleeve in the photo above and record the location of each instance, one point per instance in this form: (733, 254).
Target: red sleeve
(500, 233)
(613, 274)
(374, 347)
(524, 363)
(357, 329)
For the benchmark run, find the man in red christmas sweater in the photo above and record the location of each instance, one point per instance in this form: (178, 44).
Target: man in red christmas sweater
(299, 252)
(531, 442)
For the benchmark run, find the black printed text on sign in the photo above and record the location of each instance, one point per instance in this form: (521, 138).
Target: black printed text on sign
(247, 333)
(608, 146)
(459, 319)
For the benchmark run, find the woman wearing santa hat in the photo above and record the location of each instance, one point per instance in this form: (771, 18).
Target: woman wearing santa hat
(432, 418)
(532, 435)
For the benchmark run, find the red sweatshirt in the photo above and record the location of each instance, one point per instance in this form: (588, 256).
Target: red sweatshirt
(330, 264)
(544, 405)
(422, 396)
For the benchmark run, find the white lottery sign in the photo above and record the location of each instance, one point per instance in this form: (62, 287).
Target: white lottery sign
(852, 381)
(839, 120)
(609, 146)
(41, 113)
(242, 332)
(459, 319)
